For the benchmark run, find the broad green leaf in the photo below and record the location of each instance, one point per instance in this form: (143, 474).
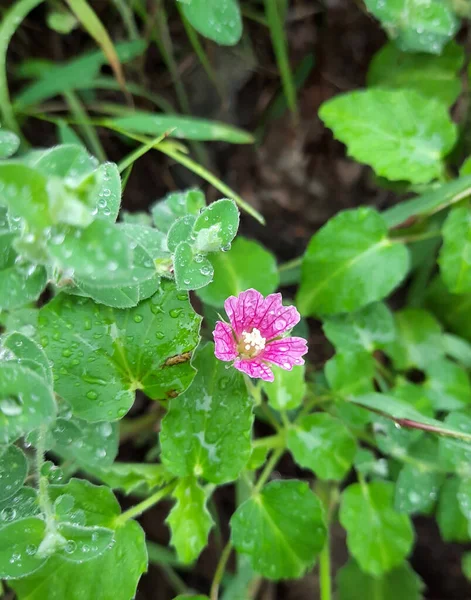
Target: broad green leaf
(464, 500)
(192, 271)
(287, 390)
(419, 339)
(61, 21)
(116, 297)
(281, 529)
(70, 162)
(130, 477)
(84, 543)
(416, 25)
(379, 128)
(176, 205)
(9, 143)
(452, 523)
(350, 374)
(102, 355)
(30, 354)
(24, 503)
(451, 309)
(189, 520)
(368, 328)
(368, 508)
(339, 261)
(180, 231)
(26, 401)
(186, 128)
(115, 574)
(455, 254)
(20, 282)
(416, 489)
(433, 76)
(402, 582)
(22, 320)
(322, 444)
(447, 385)
(454, 454)
(367, 464)
(257, 458)
(13, 471)
(458, 349)
(19, 543)
(246, 265)
(218, 20)
(216, 226)
(207, 430)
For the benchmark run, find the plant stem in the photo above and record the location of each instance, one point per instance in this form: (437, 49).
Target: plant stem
(324, 570)
(129, 160)
(43, 494)
(138, 509)
(270, 465)
(220, 571)
(271, 441)
(291, 264)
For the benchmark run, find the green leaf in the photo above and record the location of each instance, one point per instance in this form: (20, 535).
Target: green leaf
(175, 205)
(189, 520)
(13, 470)
(108, 192)
(339, 260)
(416, 25)
(417, 490)
(20, 282)
(433, 76)
(147, 347)
(30, 354)
(458, 349)
(281, 529)
(9, 143)
(115, 574)
(207, 430)
(70, 162)
(455, 254)
(447, 385)
(246, 265)
(419, 339)
(379, 128)
(84, 543)
(402, 582)
(174, 126)
(369, 508)
(464, 499)
(23, 320)
(466, 565)
(287, 390)
(19, 542)
(216, 226)
(192, 271)
(26, 401)
(24, 503)
(130, 477)
(218, 20)
(451, 309)
(369, 328)
(180, 231)
(350, 374)
(455, 455)
(322, 444)
(450, 518)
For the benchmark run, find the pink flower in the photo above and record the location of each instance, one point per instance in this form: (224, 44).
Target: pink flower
(254, 337)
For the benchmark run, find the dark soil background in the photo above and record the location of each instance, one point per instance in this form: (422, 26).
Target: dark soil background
(297, 176)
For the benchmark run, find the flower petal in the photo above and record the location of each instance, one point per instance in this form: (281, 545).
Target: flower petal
(286, 352)
(225, 346)
(243, 310)
(254, 368)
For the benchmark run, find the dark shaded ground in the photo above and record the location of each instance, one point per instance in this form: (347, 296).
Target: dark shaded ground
(297, 177)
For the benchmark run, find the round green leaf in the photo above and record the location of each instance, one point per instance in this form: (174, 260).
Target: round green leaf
(177, 204)
(24, 503)
(218, 20)
(447, 385)
(416, 490)
(452, 522)
(207, 430)
(19, 543)
(322, 444)
(216, 226)
(455, 254)
(30, 354)
(180, 231)
(288, 388)
(84, 543)
(378, 537)
(9, 143)
(281, 529)
(387, 137)
(350, 374)
(13, 471)
(246, 265)
(455, 455)
(192, 271)
(339, 261)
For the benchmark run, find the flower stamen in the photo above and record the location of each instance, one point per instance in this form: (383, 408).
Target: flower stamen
(251, 342)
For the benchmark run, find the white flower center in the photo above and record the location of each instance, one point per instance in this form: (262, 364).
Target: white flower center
(252, 342)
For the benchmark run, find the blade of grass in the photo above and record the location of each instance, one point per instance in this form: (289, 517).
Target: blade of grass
(9, 24)
(280, 48)
(92, 24)
(127, 17)
(129, 160)
(88, 131)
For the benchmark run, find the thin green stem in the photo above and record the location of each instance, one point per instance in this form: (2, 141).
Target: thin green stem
(267, 471)
(135, 154)
(138, 509)
(271, 441)
(325, 577)
(43, 494)
(127, 16)
(88, 131)
(419, 237)
(291, 264)
(220, 571)
(9, 24)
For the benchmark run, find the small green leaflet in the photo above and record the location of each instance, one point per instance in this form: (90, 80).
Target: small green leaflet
(9, 143)
(206, 432)
(350, 374)
(455, 254)
(447, 385)
(281, 529)
(189, 520)
(417, 489)
(451, 309)
(416, 25)
(19, 542)
(287, 391)
(175, 205)
(453, 524)
(339, 261)
(369, 508)
(13, 471)
(379, 128)
(29, 353)
(455, 454)
(130, 477)
(218, 20)
(122, 350)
